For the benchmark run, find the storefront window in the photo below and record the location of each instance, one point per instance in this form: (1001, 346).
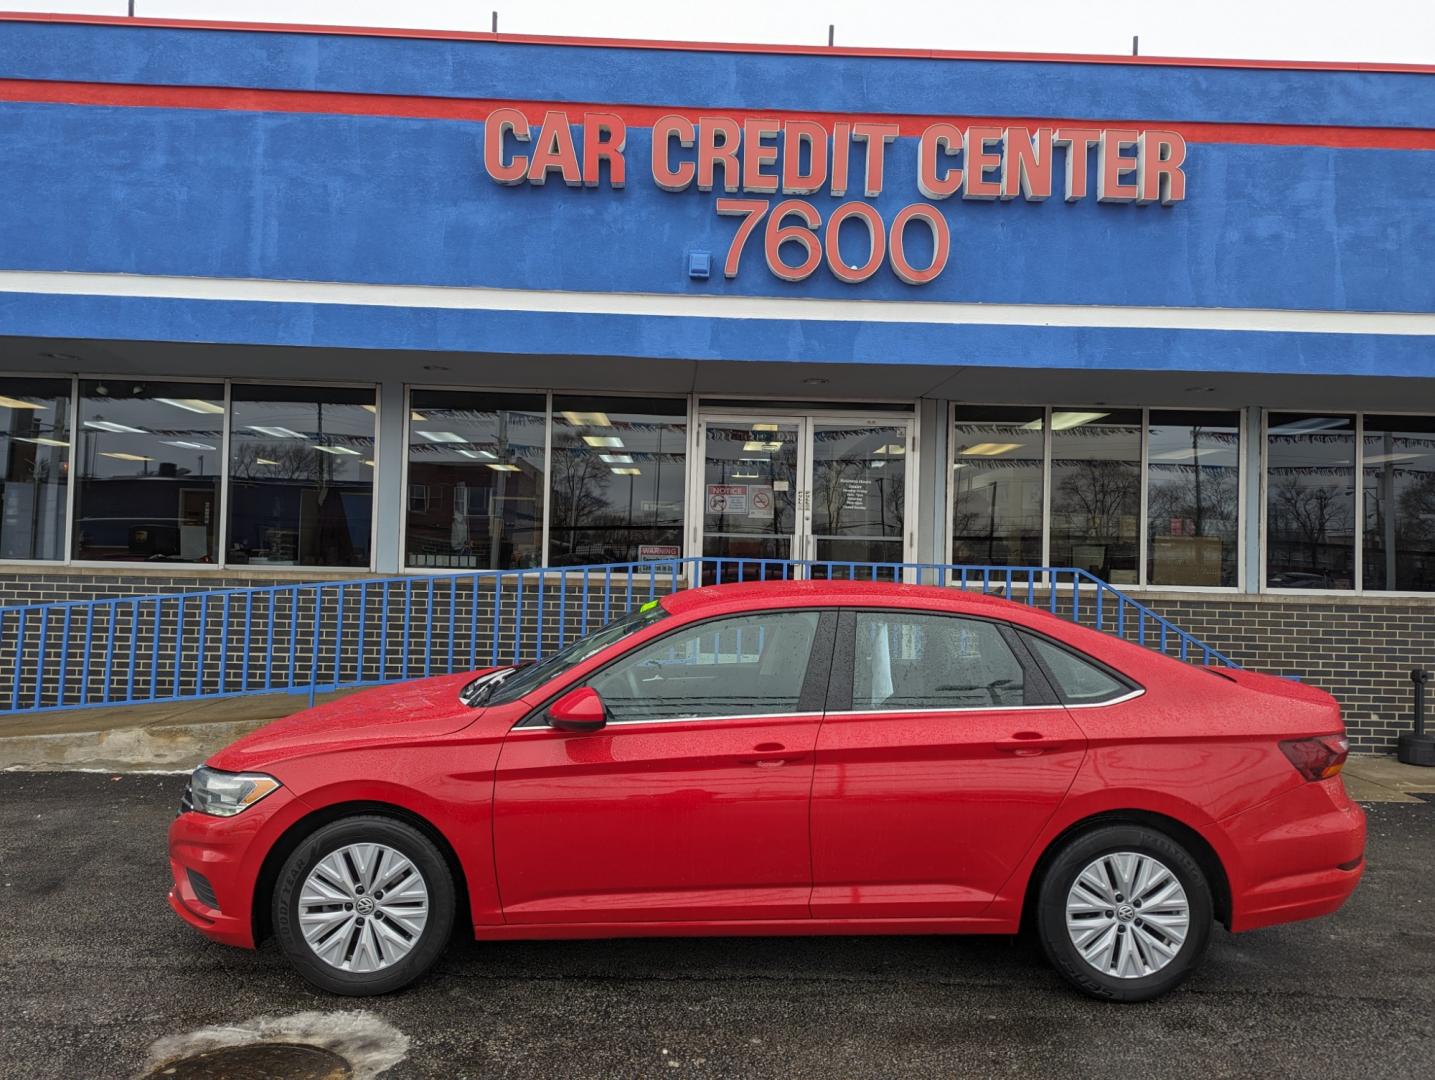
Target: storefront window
(475, 480)
(1096, 491)
(301, 484)
(617, 485)
(1310, 501)
(149, 457)
(1399, 534)
(34, 467)
(1193, 497)
(997, 486)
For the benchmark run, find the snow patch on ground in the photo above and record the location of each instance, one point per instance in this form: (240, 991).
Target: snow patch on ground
(370, 1045)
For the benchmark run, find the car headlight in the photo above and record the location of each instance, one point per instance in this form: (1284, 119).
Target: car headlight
(224, 794)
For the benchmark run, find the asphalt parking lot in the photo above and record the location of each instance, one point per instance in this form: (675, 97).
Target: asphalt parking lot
(94, 970)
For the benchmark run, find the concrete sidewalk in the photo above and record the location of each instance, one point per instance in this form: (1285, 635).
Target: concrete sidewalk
(178, 735)
(1380, 778)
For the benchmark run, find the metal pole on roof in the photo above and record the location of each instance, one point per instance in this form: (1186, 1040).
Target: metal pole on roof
(495, 20)
(831, 32)
(1135, 44)
(132, 9)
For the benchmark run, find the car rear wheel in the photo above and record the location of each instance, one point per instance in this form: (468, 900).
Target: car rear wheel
(1124, 913)
(364, 906)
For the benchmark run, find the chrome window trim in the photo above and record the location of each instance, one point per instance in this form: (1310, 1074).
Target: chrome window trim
(995, 708)
(1110, 701)
(682, 720)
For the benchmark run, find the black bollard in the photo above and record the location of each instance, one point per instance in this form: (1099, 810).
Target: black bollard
(1415, 747)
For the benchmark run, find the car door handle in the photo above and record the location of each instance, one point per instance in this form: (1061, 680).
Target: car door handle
(770, 761)
(771, 756)
(1027, 744)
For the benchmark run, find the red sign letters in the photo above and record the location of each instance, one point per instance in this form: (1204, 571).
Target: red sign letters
(763, 156)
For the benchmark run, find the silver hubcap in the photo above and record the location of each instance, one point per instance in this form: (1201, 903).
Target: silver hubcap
(1127, 915)
(363, 908)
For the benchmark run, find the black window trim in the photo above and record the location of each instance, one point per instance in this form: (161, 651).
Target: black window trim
(1129, 686)
(811, 698)
(1037, 683)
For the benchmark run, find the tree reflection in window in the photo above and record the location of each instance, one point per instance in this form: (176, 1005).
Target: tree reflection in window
(1096, 491)
(1310, 501)
(1193, 497)
(1399, 493)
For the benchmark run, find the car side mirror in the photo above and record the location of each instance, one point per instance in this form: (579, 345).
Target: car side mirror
(578, 710)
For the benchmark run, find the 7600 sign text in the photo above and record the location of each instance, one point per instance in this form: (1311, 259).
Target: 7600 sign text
(796, 221)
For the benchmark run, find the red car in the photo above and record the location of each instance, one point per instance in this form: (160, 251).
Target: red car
(784, 758)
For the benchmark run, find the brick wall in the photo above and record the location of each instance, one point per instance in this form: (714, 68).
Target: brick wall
(25, 587)
(1360, 649)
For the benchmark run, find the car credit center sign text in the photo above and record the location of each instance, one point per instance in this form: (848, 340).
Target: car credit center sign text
(978, 161)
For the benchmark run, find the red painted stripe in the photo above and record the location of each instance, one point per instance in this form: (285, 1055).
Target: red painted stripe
(438, 108)
(716, 46)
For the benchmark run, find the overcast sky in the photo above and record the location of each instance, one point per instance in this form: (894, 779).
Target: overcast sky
(1364, 30)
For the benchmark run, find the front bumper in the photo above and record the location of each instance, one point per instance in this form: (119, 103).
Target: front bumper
(228, 853)
(1298, 856)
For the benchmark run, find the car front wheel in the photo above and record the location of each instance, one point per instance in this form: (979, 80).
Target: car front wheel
(1124, 913)
(364, 906)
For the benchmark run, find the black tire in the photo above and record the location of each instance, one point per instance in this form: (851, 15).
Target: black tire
(1061, 875)
(365, 829)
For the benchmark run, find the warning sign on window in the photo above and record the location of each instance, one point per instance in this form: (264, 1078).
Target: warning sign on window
(759, 502)
(727, 498)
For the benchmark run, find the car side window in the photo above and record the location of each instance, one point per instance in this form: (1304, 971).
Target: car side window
(1079, 681)
(744, 665)
(909, 662)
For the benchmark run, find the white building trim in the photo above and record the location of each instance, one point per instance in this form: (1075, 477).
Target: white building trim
(1400, 324)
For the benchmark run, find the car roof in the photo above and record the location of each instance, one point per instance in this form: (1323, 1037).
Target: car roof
(737, 597)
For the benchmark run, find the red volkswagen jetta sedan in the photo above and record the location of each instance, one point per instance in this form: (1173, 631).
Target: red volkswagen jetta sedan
(784, 758)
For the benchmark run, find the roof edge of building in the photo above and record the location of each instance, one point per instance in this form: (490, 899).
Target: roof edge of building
(712, 46)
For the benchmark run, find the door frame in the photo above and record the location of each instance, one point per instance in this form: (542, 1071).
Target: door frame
(697, 461)
(804, 545)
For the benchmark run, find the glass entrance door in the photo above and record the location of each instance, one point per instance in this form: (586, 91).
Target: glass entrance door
(859, 491)
(818, 488)
(750, 486)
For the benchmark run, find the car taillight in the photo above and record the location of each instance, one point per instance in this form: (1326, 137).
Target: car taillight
(1317, 758)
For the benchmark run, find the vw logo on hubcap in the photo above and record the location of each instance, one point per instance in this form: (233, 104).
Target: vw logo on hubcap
(1126, 913)
(364, 905)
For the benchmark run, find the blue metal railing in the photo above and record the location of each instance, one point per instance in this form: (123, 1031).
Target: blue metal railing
(320, 636)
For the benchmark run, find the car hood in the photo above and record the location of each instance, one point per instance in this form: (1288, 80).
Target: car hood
(423, 708)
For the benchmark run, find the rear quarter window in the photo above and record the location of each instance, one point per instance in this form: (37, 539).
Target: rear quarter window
(1078, 679)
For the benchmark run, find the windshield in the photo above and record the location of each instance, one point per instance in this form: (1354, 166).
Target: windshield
(519, 681)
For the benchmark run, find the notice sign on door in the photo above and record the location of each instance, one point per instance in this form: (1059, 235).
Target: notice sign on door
(727, 498)
(854, 494)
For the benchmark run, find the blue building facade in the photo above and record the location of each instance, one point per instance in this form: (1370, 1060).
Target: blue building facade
(278, 302)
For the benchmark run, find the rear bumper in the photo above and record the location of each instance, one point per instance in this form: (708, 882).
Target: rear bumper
(1298, 856)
